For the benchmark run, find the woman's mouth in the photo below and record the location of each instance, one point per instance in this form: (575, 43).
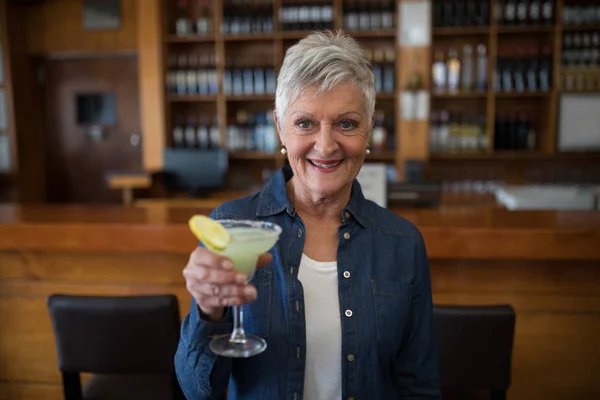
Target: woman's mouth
(325, 166)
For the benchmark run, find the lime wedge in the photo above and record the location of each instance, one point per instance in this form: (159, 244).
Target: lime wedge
(210, 232)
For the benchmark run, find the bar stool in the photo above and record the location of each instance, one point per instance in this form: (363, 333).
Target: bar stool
(475, 349)
(128, 343)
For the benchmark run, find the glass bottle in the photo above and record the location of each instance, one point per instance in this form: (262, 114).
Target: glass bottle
(183, 24)
(482, 68)
(453, 67)
(467, 68)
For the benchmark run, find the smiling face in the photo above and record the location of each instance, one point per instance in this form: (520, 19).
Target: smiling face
(326, 137)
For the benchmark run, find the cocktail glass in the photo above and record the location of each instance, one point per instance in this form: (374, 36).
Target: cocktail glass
(249, 239)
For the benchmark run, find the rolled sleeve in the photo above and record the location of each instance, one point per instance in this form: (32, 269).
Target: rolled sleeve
(201, 373)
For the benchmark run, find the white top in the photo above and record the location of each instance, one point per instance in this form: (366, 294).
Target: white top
(323, 372)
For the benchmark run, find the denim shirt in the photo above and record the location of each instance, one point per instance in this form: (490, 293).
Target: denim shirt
(388, 347)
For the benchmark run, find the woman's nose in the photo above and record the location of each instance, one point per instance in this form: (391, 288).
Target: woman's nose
(326, 143)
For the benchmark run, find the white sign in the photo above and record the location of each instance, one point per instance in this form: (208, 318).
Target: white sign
(372, 179)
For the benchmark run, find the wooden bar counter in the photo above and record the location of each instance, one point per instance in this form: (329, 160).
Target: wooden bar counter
(545, 264)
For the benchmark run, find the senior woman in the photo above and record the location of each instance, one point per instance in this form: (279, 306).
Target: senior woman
(344, 297)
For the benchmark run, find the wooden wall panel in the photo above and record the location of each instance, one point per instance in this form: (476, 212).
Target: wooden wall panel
(56, 26)
(556, 353)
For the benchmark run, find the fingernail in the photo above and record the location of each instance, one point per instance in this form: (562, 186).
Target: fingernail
(249, 291)
(227, 264)
(241, 278)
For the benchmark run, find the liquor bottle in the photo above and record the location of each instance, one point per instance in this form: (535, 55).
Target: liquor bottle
(237, 75)
(190, 132)
(375, 17)
(204, 20)
(351, 16)
(178, 132)
(444, 131)
(363, 16)
(472, 13)
(172, 74)
(183, 24)
(506, 76)
(202, 75)
(191, 77)
(438, 13)
(228, 77)
(519, 75)
(521, 13)
(448, 13)
(548, 12)
(378, 69)
(500, 12)
(532, 70)
(484, 13)
(259, 80)
(434, 122)
(545, 72)
(460, 13)
(248, 77)
(182, 61)
(214, 133)
(522, 132)
(212, 76)
(482, 66)
(388, 71)
(467, 68)
(387, 14)
(379, 135)
(535, 12)
(439, 72)
(510, 12)
(453, 66)
(202, 133)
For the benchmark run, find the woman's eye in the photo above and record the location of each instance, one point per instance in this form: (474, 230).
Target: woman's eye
(303, 124)
(347, 125)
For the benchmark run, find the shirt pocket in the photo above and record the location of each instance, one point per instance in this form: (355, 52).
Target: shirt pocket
(391, 300)
(257, 315)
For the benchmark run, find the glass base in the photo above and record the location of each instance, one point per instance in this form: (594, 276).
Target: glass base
(239, 348)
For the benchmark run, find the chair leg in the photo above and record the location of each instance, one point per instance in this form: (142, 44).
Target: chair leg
(498, 395)
(72, 386)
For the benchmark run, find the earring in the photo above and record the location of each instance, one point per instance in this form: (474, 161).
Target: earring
(283, 150)
(368, 151)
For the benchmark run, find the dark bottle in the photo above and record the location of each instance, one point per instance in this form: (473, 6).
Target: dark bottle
(506, 76)
(460, 13)
(545, 71)
(510, 12)
(438, 14)
(522, 12)
(519, 75)
(499, 12)
(522, 132)
(548, 11)
(350, 16)
(512, 133)
(472, 15)
(532, 71)
(483, 17)
(448, 13)
(499, 132)
(535, 12)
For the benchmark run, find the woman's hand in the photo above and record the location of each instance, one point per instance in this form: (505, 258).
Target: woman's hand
(214, 284)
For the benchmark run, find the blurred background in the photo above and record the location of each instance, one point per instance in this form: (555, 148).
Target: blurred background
(124, 115)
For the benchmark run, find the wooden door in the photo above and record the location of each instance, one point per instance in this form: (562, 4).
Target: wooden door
(92, 130)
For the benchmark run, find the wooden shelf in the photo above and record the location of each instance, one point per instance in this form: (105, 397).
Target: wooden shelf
(382, 156)
(174, 98)
(189, 39)
(245, 37)
(252, 155)
(497, 155)
(460, 95)
(251, 97)
(383, 33)
(462, 31)
(521, 95)
(293, 34)
(385, 96)
(579, 28)
(525, 29)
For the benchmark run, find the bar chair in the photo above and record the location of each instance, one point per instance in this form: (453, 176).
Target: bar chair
(127, 343)
(475, 349)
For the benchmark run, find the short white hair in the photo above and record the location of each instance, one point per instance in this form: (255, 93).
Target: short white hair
(324, 59)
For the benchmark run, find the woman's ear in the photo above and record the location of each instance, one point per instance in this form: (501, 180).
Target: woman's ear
(279, 127)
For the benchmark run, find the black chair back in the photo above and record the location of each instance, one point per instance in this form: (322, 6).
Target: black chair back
(115, 335)
(475, 347)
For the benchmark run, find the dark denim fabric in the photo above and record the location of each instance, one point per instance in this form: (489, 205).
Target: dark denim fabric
(385, 310)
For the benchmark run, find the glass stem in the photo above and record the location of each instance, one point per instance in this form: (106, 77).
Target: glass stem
(238, 334)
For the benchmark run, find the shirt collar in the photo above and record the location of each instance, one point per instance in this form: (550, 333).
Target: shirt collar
(274, 199)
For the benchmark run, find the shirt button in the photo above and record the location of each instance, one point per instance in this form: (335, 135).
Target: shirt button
(346, 236)
(297, 305)
(350, 357)
(346, 274)
(347, 214)
(299, 233)
(350, 398)
(348, 313)
(291, 270)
